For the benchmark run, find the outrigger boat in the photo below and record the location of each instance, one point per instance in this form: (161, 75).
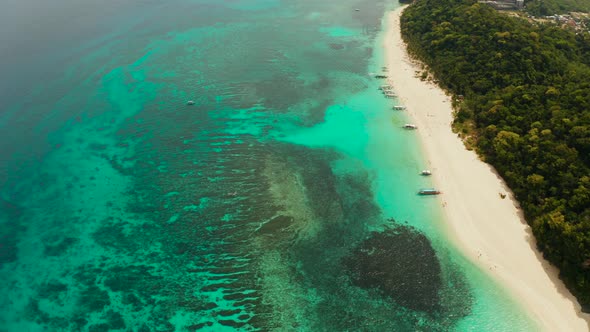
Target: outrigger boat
(428, 191)
(387, 91)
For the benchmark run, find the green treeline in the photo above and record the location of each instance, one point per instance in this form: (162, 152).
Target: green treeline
(550, 7)
(526, 107)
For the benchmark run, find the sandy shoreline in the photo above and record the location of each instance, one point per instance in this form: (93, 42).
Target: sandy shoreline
(489, 230)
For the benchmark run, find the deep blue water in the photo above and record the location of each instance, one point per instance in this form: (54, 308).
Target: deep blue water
(283, 199)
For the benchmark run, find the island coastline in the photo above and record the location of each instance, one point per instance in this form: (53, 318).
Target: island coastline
(487, 227)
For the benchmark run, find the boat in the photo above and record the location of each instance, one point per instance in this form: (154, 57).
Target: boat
(428, 191)
(426, 172)
(190, 102)
(399, 108)
(389, 94)
(380, 76)
(410, 126)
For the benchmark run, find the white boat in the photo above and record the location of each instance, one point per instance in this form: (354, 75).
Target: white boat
(410, 126)
(190, 102)
(399, 108)
(426, 172)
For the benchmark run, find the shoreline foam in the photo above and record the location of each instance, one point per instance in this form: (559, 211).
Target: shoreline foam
(489, 230)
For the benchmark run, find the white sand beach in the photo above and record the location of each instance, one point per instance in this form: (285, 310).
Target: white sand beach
(488, 229)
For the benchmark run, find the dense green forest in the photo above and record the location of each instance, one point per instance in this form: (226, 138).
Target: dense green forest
(550, 7)
(526, 109)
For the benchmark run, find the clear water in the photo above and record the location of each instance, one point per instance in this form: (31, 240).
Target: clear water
(284, 199)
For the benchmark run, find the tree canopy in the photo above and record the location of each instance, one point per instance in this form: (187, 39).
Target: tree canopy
(550, 7)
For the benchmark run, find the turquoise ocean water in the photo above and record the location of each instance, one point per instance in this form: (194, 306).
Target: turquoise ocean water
(283, 200)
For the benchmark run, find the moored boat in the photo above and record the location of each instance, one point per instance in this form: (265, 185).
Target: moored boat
(389, 94)
(410, 126)
(399, 108)
(428, 191)
(426, 172)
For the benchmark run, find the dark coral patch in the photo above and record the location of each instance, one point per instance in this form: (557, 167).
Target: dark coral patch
(9, 231)
(115, 320)
(196, 327)
(231, 323)
(93, 298)
(59, 247)
(336, 46)
(401, 264)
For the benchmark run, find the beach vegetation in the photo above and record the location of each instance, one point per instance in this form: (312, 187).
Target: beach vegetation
(525, 106)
